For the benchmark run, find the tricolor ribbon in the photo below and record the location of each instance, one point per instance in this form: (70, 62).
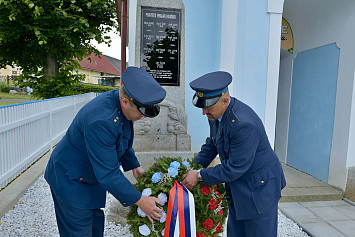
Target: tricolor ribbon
(180, 219)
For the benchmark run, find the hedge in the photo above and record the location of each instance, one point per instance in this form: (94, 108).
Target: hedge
(82, 88)
(4, 87)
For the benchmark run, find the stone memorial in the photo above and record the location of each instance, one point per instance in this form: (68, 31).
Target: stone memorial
(160, 41)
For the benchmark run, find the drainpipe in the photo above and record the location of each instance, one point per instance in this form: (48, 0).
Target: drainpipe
(121, 8)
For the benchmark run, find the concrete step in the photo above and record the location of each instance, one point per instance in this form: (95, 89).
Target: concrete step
(302, 187)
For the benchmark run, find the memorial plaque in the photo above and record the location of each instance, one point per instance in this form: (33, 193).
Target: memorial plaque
(160, 44)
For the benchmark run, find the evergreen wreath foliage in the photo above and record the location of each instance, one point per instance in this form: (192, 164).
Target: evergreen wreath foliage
(211, 206)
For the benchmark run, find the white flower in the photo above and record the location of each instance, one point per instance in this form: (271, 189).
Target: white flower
(140, 212)
(163, 198)
(163, 218)
(162, 232)
(147, 192)
(144, 230)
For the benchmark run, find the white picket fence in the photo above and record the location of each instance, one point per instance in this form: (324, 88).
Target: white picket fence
(29, 130)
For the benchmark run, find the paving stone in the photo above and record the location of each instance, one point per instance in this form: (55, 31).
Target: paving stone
(347, 227)
(301, 215)
(328, 213)
(323, 229)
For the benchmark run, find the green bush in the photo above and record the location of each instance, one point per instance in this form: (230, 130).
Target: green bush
(81, 88)
(4, 87)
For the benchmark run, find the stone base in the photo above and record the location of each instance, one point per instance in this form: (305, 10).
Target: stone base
(162, 142)
(116, 213)
(350, 185)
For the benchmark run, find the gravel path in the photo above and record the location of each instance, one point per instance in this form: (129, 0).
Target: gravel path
(34, 216)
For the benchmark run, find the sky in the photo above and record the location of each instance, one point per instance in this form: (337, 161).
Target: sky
(114, 50)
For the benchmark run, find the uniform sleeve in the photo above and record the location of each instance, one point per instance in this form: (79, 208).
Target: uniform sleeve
(100, 139)
(130, 160)
(207, 154)
(243, 143)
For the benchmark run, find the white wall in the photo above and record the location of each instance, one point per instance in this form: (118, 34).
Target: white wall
(351, 147)
(275, 8)
(131, 25)
(316, 23)
(228, 38)
(283, 105)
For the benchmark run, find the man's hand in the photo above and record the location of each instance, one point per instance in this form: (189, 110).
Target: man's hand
(148, 206)
(190, 179)
(138, 172)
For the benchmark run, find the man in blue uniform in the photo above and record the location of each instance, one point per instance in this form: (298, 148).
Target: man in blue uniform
(250, 169)
(86, 162)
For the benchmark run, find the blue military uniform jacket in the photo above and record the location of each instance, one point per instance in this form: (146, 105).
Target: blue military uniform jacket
(250, 169)
(86, 162)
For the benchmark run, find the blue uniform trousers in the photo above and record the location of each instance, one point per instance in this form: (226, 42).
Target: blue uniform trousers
(263, 226)
(74, 222)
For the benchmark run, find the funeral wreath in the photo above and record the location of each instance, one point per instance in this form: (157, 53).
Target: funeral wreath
(211, 206)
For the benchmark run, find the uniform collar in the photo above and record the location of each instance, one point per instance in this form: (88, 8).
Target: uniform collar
(118, 106)
(220, 119)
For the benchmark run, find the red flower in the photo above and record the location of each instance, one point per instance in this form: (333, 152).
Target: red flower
(218, 193)
(220, 200)
(205, 190)
(208, 224)
(200, 235)
(219, 228)
(220, 213)
(215, 188)
(213, 204)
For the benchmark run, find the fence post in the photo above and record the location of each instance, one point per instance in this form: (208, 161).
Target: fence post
(74, 107)
(51, 126)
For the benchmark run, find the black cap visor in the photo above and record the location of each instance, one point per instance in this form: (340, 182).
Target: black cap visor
(203, 102)
(146, 110)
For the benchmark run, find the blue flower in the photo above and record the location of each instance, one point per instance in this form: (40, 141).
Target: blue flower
(175, 164)
(185, 163)
(156, 177)
(172, 172)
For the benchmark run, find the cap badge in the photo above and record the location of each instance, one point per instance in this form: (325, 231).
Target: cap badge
(200, 94)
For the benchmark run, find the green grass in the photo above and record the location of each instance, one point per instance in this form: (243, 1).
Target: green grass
(7, 103)
(14, 96)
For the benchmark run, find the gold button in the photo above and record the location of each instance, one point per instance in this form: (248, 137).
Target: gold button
(121, 123)
(124, 203)
(119, 112)
(229, 111)
(115, 120)
(116, 117)
(262, 181)
(81, 178)
(233, 121)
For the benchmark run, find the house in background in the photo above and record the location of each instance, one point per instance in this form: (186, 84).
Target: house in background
(9, 73)
(101, 70)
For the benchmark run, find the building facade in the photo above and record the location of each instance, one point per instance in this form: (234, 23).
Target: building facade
(304, 93)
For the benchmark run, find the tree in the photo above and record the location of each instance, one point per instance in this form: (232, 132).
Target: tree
(48, 38)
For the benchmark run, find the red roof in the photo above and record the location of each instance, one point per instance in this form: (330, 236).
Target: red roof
(99, 64)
